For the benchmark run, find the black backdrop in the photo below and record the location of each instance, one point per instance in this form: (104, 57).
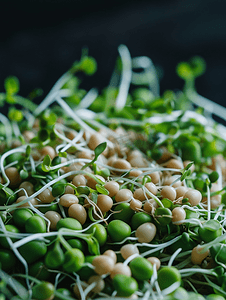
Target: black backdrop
(40, 39)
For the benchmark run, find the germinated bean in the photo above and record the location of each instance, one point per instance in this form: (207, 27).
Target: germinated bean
(128, 250)
(104, 202)
(149, 205)
(79, 180)
(112, 187)
(14, 177)
(197, 256)
(68, 199)
(103, 264)
(53, 217)
(194, 196)
(111, 254)
(155, 177)
(91, 182)
(123, 195)
(120, 268)
(174, 164)
(28, 186)
(178, 215)
(180, 191)
(78, 212)
(46, 196)
(33, 201)
(146, 232)
(154, 261)
(135, 204)
(168, 192)
(48, 150)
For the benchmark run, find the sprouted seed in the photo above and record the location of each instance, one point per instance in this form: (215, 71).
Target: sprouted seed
(113, 194)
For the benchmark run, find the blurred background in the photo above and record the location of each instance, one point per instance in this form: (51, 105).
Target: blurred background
(40, 39)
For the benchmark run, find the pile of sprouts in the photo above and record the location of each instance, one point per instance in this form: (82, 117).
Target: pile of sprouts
(118, 194)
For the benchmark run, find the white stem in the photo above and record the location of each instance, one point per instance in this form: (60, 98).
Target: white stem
(126, 77)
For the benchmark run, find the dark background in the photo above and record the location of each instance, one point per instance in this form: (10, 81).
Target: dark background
(41, 39)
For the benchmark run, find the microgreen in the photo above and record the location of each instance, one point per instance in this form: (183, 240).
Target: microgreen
(97, 152)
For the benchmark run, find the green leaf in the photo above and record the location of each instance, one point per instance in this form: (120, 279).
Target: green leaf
(198, 65)
(88, 65)
(83, 190)
(24, 174)
(90, 214)
(185, 174)
(58, 189)
(188, 165)
(62, 154)
(46, 163)
(101, 189)
(12, 85)
(15, 115)
(28, 151)
(184, 70)
(93, 246)
(100, 149)
(38, 176)
(43, 135)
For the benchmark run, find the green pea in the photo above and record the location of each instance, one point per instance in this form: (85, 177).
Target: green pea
(125, 212)
(13, 157)
(58, 189)
(139, 219)
(38, 270)
(124, 285)
(141, 268)
(100, 233)
(167, 203)
(213, 176)
(56, 161)
(21, 215)
(199, 184)
(215, 297)
(69, 223)
(43, 291)
(35, 224)
(210, 230)
(118, 230)
(62, 292)
(163, 215)
(76, 243)
(7, 196)
(11, 228)
(54, 257)
(7, 259)
(167, 276)
(191, 150)
(33, 251)
(74, 260)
